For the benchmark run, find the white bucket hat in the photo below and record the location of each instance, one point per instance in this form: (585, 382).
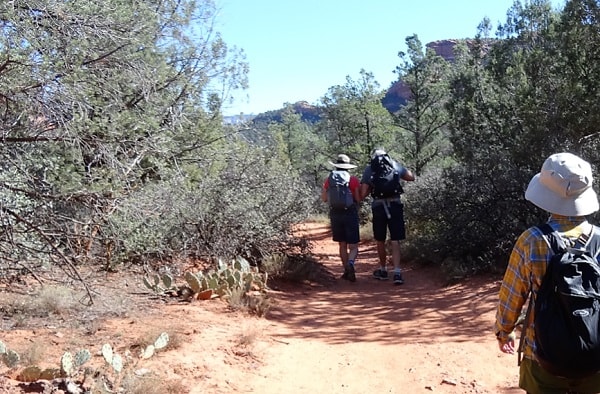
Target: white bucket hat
(564, 186)
(343, 162)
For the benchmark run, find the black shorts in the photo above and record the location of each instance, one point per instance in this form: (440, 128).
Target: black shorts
(395, 223)
(345, 225)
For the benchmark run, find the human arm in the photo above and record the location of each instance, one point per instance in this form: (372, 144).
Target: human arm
(364, 190)
(365, 187)
(324, 190)
(515, 288)
(408, 175)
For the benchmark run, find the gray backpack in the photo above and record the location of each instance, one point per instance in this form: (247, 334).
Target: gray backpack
(339, 195)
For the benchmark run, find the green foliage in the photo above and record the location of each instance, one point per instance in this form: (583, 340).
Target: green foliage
(355, 121)
(101, 98)
(422, 138)
(241, 201)
(514, 101)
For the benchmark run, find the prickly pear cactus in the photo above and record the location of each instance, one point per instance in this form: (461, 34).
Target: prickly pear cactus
(193, 282)
(11, 358)
(162, 341)
(152, 282)
(66, 364)
(2, 347)
(81, 357)
(107, 353)
(239, 275)
(241, 264)
(167, 281)
(117, 363)
(148, 352)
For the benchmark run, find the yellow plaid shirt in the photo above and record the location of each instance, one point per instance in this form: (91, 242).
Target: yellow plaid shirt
(526, 268)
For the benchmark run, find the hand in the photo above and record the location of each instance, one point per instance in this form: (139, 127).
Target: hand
(509, 346)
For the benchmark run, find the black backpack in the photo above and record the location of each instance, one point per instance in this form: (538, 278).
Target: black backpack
(567, 307)
(385, 179)
(339, 195)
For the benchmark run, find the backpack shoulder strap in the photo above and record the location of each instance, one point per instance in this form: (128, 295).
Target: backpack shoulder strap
(554, 239)
(593, 243)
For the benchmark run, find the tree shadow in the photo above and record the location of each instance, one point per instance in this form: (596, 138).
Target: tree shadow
(371, 310)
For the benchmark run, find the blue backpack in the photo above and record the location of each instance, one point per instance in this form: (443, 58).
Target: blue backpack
(339, 195)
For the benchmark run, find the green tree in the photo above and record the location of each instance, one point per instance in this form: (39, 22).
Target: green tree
(502, 126)
(104, 105)
(422, 120)
(354, 119)
(298, 141)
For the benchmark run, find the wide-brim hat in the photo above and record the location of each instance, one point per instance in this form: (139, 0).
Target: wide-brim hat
(342, 162)
(564, 186)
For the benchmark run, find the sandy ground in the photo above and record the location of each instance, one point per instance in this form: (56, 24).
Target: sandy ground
(331, 337)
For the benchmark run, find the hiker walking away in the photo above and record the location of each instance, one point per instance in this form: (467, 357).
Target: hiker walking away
(563, 188)
(382, 178)
(342, 191)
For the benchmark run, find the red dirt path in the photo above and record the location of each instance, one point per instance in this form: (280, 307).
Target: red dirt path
(335, 337)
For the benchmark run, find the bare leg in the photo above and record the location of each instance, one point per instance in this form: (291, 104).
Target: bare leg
(352, 251)
(381, 254)
(344, 253)
(396, 254)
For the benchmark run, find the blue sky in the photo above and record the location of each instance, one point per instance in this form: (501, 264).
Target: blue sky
(297, 50)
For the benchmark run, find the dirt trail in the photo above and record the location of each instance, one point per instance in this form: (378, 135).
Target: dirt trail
(372, 336)
(337, 337)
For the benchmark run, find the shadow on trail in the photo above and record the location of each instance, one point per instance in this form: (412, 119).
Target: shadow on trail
(421, 310)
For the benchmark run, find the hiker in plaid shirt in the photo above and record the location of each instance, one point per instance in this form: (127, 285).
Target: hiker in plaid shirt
(564, 189)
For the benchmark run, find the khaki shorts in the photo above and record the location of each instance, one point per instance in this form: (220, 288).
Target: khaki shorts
(535, 380)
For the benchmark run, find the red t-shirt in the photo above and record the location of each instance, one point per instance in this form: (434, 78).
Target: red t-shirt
(354, 183)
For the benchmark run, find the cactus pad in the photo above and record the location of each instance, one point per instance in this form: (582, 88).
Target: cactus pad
(204, 295)
(11, 358)
(117, 363)
(193, 282)
(162, 341)
(107, 353)
(148, 352)
(167, 281)
(66, 364)
(81, 357)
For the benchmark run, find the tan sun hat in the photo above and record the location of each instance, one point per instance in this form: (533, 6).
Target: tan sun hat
(564, 186)
(342, 162)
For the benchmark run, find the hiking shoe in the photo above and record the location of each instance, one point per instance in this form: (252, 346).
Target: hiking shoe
(398, 279)
(345, 275)
(380, 274)
(351, 273)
